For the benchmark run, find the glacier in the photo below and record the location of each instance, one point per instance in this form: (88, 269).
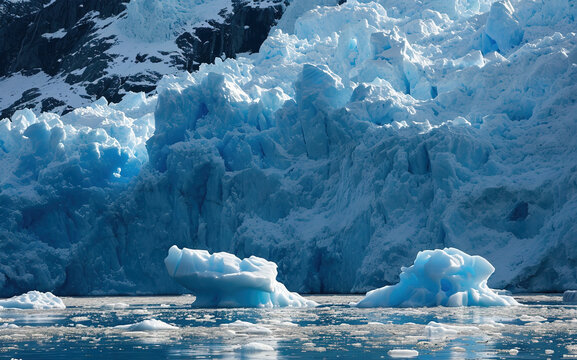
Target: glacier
(223, 280)
(447, 277)
(359, 134)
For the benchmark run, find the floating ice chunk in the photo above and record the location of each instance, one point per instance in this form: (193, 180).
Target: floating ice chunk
(9, 326)
(33, 300)
(115, 306)
(446, 277)
(570, 296)
(436, 330)
(513, 352)
(403, 353)
(247, 328)
(147, 325)
(223, 280)
(529, 318)
(255, 347)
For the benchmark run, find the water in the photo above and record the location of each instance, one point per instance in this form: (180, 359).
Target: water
(542, 328)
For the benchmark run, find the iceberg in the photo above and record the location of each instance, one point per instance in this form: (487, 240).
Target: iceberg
(447, 277)
(223, 280)
(35, 300)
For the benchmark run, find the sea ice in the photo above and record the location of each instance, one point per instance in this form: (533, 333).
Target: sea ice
(255, 347)
(115, 306)
(247, 328)
(33, 300)
(436, 330)
(403, 353)
(447, 277)
(147, 325)
(223, 280)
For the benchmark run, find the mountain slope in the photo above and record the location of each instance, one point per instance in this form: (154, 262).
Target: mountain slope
(62, 54)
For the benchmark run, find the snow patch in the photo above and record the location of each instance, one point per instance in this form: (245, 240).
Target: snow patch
(59, 34)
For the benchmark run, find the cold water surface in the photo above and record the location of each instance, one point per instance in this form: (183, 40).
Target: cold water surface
(543, 327)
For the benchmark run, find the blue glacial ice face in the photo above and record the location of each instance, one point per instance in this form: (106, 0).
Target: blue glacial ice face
(447, 277)
(223, 280)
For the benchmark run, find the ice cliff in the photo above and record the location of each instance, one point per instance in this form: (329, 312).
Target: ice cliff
(358, 135)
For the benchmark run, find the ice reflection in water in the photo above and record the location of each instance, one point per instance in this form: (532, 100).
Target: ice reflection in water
(543, 327)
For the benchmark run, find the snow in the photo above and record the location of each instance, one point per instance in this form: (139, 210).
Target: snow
(33, 300)
(147, 325)
(570, 296)
(59, 34)
(447, 277)
(359, 135)
(223, 280)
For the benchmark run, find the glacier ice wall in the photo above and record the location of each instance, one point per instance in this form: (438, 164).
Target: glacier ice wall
(356, 137)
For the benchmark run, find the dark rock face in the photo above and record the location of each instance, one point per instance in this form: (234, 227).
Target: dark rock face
(244, 31)
(63, 40)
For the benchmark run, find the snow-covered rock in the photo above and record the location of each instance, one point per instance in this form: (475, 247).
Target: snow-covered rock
(446, 277)
(223, 280)
(58, 56)
(33, 300)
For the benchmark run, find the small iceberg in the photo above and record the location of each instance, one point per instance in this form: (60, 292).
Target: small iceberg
(147, 325)
(446, 277)
(254, 347)
(223, 280)
(35, 300)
